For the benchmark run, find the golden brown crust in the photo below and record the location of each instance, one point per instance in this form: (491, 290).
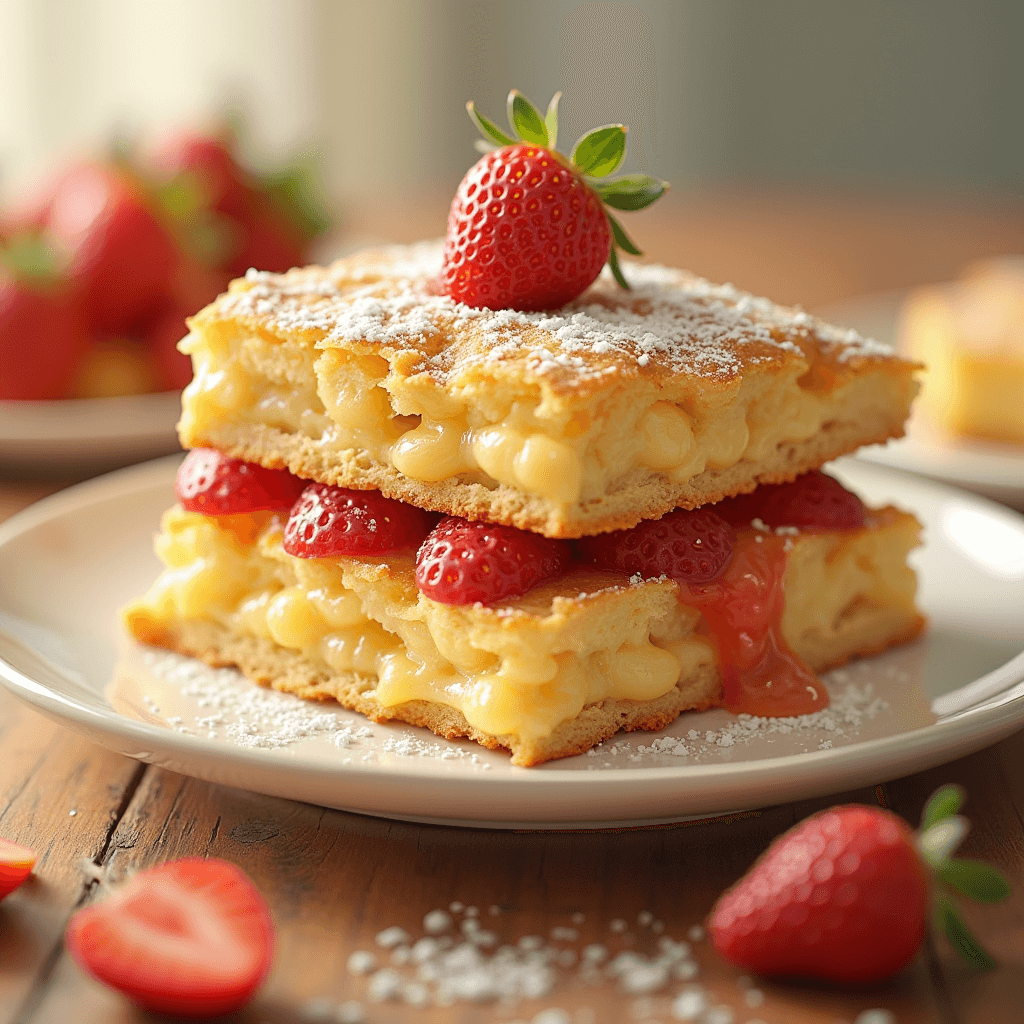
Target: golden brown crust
(270, 665)
(643, 494)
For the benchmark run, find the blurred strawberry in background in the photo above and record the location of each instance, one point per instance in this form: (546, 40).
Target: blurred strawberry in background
(99, 270)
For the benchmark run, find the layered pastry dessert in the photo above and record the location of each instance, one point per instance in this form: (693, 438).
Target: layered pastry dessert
(530, 529)
(971, 335)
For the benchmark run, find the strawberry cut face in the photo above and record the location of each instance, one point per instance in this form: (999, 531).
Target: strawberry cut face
(16, 863)
(191, 937)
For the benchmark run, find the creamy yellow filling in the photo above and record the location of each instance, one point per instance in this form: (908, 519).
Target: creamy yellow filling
(521, 668)
(531, 440)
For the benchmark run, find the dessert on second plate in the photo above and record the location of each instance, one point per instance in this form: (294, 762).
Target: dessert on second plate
(634, 521)
(970, 333)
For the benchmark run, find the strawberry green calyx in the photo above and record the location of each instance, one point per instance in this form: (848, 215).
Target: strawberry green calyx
(597, 155)
(942, 831)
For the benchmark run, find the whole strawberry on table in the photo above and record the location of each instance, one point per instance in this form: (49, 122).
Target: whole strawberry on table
(99, 272)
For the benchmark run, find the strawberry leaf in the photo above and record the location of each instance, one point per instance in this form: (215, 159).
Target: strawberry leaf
(938, 842)
(525, 119)
(600, 152)
(953, 926)
(943, 803)
(620, 238)
(632, 191)
(613, 263)
(488, 129)
(976, 880)
(551, 119)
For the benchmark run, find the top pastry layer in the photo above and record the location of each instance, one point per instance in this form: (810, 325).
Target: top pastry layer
(615, 408)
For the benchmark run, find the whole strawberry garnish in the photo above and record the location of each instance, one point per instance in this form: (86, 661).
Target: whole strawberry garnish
(845, 896)
(689, 546)
(216, 485)
(463, 562)
(191, 938)
(329, 520)
(813, 500)
(528, 229)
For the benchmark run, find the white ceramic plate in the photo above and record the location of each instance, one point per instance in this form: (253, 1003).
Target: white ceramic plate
(986, 467)
(85, 435)
(67, 563)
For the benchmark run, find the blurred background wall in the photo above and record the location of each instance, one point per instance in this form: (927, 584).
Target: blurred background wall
(912, 93)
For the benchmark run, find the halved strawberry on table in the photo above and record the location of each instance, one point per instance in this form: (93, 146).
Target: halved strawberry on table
(16, 863)
(193, 938)
(528, 228)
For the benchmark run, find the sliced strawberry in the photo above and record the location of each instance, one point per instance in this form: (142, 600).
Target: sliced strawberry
(689, 546)
(191, 938)
(814, 500)
(120, 256)
(462, 562)
(16, 863)
(328, 521)
(42, 340)
(217, 485)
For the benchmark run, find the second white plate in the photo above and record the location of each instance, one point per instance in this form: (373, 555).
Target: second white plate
(68, 563)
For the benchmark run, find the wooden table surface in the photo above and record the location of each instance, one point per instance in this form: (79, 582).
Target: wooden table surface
(334, 880)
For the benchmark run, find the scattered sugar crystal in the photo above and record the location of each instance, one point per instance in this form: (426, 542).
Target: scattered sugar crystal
(401, 955)
(690, 1004)
(531, 942)
(686, 970)
(643, 978)
(754, 997)
(618, 925)
(578, 918)
(644, 918)
(552, 1016)
(696, 934)
(351, 1012)
(595, 953)
(673, 950)
(391, 937)
(456, 907)
(317, 1010)
(562, 934)
(718, 1015)
(361, 962)
(416, 994)
(423, 949)
(494, 910)
(384, 985)
(876, 1017)
(469, 926)
(437, 921)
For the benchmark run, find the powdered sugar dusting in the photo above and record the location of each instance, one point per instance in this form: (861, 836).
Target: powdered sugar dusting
(669, 320)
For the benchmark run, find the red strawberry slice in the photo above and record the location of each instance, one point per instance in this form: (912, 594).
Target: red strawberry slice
(330, 521)
(191, 938)
(528, 228)
(16, 863)
(814, 500)
(843, 896)
(217, 485)
(688, 546)
(462, 562)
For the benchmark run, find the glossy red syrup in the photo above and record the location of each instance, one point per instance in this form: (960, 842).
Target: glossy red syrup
(742, 611)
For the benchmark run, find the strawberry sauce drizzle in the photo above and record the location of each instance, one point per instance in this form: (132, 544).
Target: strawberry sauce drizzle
(742, 612)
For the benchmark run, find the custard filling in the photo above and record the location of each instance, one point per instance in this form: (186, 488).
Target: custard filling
(523, 436)
(525, 665)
